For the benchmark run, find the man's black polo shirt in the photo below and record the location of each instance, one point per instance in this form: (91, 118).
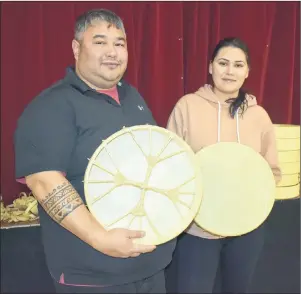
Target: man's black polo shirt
(59, 130)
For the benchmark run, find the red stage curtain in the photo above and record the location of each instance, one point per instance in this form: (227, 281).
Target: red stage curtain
(169, 47)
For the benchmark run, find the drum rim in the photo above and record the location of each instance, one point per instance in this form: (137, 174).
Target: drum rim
(293, 187)
(287, 125)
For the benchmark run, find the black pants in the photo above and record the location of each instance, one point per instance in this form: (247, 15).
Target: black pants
(154, 284)
(196, 261)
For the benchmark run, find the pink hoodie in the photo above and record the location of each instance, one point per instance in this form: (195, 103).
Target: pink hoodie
(202, 120)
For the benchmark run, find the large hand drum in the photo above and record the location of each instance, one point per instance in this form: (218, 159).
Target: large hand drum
(144, 178)
(238, 189)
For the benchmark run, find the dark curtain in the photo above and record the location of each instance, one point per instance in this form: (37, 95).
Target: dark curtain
(169, 49)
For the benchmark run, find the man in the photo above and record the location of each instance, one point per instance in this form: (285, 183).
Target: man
(56, 133)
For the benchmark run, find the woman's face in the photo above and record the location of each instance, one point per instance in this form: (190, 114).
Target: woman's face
(229, 69)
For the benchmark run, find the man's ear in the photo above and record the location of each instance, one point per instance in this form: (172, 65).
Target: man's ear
(75, 49)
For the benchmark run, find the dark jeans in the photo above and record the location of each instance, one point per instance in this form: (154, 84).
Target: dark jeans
(196, 261)
(154, 284)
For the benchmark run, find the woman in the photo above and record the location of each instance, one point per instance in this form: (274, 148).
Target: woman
(221, 112)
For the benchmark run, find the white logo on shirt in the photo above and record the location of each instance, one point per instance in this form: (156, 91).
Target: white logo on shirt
(140, 107)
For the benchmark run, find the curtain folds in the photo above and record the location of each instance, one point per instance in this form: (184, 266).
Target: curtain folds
(169, 49)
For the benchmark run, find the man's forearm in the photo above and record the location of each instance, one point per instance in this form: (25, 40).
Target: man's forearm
(63, 204)
(59, 203)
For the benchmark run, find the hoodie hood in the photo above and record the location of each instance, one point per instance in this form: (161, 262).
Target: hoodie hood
(206, 92)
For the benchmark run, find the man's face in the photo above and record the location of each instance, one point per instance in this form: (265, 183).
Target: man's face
(101, 55)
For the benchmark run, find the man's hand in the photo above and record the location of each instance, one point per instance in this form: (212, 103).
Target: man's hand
(119, 243)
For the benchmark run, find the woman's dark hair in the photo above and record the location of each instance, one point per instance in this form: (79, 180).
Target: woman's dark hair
(240, 102)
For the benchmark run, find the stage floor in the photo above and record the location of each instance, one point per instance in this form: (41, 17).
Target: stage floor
(23, 267)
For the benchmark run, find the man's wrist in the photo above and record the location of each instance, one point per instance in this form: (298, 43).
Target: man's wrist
(98, 237)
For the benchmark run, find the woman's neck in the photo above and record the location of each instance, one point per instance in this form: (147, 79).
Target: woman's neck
(222, 97)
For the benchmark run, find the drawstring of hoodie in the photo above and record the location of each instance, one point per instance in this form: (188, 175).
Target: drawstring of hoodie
(219, 124)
